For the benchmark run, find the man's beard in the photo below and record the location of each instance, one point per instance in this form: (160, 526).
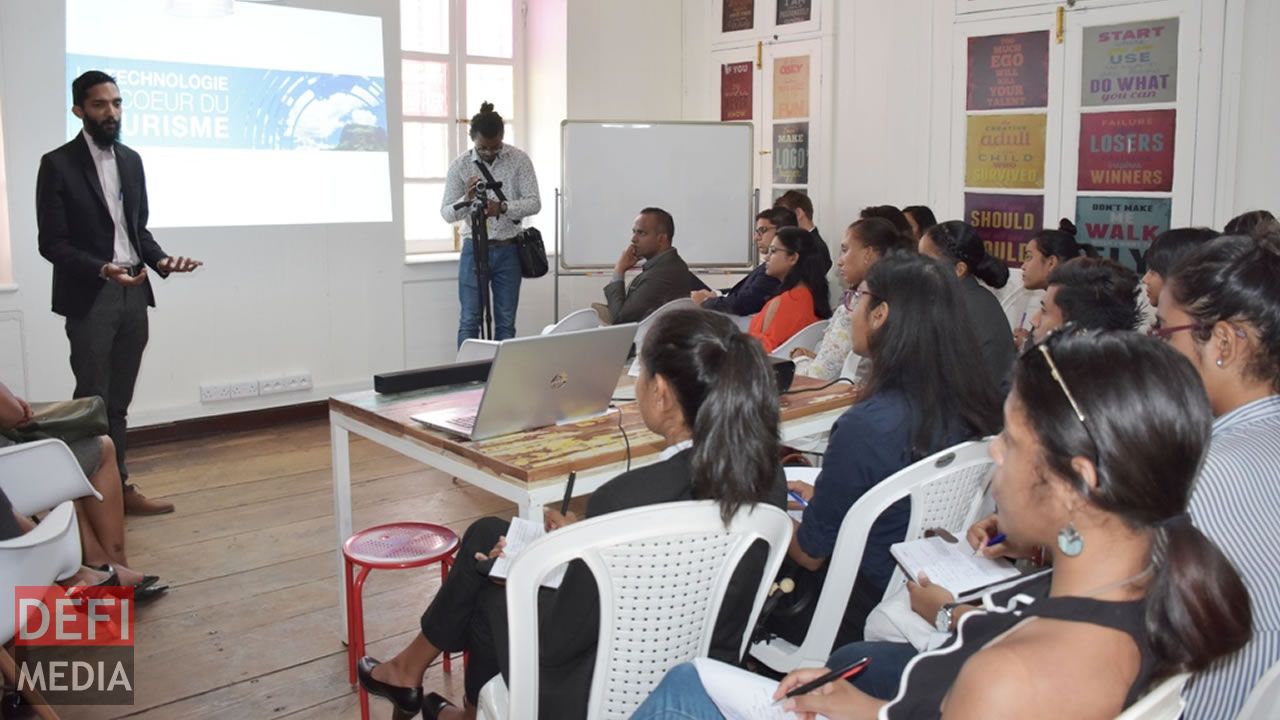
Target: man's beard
(103, 135)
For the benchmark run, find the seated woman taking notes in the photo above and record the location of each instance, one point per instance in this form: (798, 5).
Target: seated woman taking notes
(1103, 437)
(924, 393)
(709, 391)
(797, 261)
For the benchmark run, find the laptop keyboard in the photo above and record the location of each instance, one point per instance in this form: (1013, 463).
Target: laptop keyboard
(466, 421)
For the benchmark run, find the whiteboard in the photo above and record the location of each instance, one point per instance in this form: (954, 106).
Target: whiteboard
(698, 172)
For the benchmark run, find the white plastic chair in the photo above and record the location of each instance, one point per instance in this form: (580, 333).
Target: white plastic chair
(584, 319)
(808, 338)
(1164, 702)
(742, 321)
(39, 475)
(473, 350)
(655, 611)
(1263, 702)
(642, 328)
(946, 491)
(49, 552)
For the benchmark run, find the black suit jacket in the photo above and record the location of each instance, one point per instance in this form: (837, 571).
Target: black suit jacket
(76, 231)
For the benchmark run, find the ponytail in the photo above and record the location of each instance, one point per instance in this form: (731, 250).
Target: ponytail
(1197, 605)
(727, 394)
(960, 242)
(735, 434)
(992, 272)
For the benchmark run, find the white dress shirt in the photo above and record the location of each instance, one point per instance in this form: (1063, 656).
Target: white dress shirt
(109, 175)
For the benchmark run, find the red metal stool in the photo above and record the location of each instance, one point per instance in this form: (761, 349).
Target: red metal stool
(395, 546)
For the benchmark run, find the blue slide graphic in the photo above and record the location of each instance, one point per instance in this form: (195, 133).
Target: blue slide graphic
(184, 105)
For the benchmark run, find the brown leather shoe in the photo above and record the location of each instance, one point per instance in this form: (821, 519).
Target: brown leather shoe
(135, 503)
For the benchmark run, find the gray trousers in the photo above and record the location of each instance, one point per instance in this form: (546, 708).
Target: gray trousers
(106, 352)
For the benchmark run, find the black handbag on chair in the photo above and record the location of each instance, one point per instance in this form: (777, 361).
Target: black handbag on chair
(533, 254)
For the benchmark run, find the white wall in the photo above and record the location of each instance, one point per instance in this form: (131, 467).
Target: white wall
(1257, 170)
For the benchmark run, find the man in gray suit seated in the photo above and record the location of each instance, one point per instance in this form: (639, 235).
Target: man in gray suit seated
(663, 278)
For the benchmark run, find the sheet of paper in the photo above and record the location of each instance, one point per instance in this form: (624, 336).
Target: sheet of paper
(519, 535)
(951, 565)
(739, 694)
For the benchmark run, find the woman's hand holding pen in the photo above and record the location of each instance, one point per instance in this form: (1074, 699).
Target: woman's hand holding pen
(838, 700)
(805, 492)
(982, 534)
(553, 519)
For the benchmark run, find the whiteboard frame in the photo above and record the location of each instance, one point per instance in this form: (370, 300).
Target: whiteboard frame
(750, 259)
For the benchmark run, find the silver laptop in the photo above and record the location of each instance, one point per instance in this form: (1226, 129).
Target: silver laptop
(542, 380)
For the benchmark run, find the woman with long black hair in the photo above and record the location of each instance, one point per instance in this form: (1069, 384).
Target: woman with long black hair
(923, 394)
(709, 391)
(795, 259)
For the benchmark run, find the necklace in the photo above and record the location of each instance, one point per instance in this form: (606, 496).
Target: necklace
(1117, 584)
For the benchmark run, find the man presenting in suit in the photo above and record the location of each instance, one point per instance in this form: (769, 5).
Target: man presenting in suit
(91, 206)
(664, 277)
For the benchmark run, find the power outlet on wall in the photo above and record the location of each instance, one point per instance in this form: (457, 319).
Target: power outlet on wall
(229, 391)
(285, 383)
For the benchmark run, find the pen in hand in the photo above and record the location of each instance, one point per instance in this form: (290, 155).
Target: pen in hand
(798, 498)
(993, 541)
(568, 492)
(843, 673)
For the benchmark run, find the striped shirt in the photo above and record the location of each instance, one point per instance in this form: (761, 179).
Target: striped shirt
(514, 170)
(1236, 504)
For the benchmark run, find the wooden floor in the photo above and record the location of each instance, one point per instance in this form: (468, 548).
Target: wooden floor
(249, 629)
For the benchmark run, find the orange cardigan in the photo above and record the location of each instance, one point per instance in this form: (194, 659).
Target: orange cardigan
(795, 313)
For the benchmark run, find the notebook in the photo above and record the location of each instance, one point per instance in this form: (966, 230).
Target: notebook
(519, 535)
(739, 694)
(951, 565)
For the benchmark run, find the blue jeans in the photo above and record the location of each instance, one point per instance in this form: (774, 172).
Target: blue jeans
(504, 285)
(884, 672)
(680, 696)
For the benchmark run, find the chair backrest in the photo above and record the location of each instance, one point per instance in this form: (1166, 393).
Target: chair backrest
(808, 338)
(41, 474)
(584, 319)
(1164, 702)
(49, 552)
(642, 329)
(472, 350)
(742, 321)
(662, 573)
(946, 491)
(1263, 702)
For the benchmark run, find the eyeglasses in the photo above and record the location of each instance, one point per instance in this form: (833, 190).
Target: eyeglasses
(774, 249)
(1043, 348)
(1164, 333)
(853, 295)
(761, 230)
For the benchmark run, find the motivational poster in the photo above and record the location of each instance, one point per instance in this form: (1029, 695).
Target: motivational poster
(735, 91)
(1009, 71)
(791, 87)
(1005, 151)
(791, 153)
(1005, 222)
(794, 11)
(737, 15)
(1130, 64)
(1127, 151)
(1122, 228)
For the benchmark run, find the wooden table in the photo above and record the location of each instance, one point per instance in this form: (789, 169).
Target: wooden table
(529, 468)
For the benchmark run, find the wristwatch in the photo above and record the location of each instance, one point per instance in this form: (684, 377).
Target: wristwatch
(502, 207)
(942, 621)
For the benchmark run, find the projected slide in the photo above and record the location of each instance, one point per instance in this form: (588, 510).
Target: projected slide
(263, 115)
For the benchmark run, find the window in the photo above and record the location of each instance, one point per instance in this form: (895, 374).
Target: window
(454, 54)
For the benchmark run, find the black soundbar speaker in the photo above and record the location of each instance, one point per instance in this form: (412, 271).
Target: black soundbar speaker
(451, 374)
(784, 372)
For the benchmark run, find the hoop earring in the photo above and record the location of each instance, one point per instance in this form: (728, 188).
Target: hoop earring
(1070, 542)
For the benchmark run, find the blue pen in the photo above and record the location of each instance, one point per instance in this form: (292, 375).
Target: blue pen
(993, 540)
(798, 498)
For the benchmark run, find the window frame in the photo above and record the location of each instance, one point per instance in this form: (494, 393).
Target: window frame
(458, 118)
